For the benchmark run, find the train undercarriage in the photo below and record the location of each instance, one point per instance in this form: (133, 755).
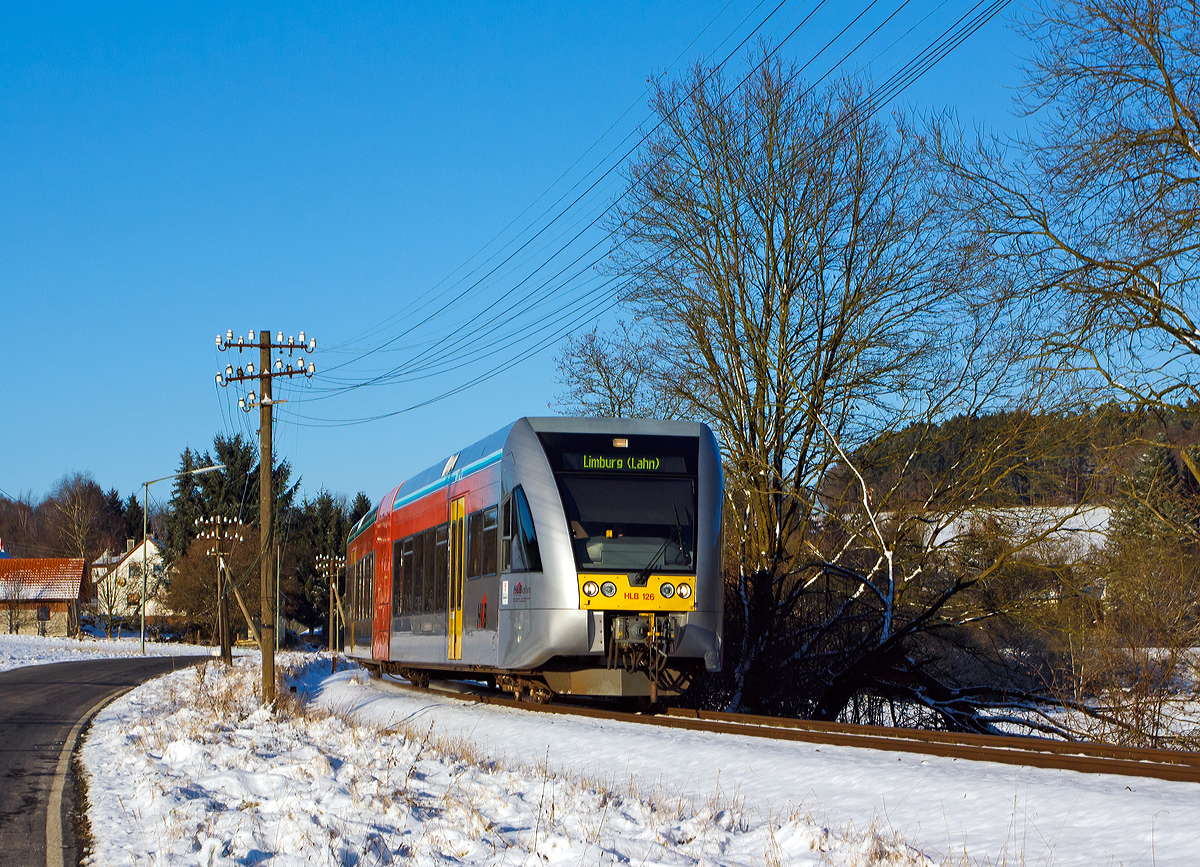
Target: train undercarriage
(638, 664)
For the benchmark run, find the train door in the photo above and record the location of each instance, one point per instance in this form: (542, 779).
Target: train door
(382, 625)
(458, 556)
(362, 592)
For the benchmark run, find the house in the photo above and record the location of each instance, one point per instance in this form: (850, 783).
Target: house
(117, 581)
(42, 595)
(1064, 533)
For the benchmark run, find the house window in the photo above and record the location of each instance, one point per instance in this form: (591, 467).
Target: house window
(43, 613)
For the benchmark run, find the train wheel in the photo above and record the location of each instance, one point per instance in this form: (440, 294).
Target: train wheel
(525, 689)
(416, 677)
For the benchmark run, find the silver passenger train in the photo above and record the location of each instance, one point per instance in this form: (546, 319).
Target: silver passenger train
(573, 556)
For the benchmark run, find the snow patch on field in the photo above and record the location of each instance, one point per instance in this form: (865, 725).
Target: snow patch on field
(17, 651)
(188, 769)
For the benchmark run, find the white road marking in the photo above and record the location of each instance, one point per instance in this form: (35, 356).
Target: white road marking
(54, 841)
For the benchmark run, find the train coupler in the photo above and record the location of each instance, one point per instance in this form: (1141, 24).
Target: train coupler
(643, 642)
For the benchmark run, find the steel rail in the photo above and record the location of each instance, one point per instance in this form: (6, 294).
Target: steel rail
(1175, 766)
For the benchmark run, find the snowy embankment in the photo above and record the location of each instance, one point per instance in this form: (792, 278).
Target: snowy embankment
(187, 769)
(20, 650)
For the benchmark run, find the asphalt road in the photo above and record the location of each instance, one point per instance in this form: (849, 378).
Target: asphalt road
(39, 705)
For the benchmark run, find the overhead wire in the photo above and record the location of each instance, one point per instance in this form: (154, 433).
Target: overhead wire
(645, 136)
(594, 185)
(578, 160)
(912, 70)
(574, 186)
(577, 199)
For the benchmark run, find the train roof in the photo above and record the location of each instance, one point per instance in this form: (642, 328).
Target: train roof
(485, 450)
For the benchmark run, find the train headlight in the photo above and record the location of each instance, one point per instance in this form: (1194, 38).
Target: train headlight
(590, 589)
(667, 589)
(608, 589)
(685, 591)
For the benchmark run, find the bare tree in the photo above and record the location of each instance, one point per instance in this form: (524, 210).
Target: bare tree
(22, 528)
(617, 375)
(193, 588)
(79, 517)
(1092, 219)
(13, 589)
(1124, 659)
(112, 602)
(1093, 216)
(799, 267)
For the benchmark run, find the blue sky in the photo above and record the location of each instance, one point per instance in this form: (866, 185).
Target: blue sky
(167, 174)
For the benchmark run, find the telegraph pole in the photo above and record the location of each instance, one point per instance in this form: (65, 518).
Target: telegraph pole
(331, 564)
(216, 531)
(266, 498)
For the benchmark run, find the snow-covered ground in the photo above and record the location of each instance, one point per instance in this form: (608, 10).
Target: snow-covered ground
(19, 650)
(187, 770)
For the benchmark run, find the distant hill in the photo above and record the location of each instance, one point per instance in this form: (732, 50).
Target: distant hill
(1046, 459)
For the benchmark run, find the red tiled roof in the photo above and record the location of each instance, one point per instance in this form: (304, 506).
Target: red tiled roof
(41, 578)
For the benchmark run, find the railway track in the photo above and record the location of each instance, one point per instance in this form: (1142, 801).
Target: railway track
(1171, 765)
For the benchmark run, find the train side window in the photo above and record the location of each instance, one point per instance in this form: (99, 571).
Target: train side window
(397, 577)
(369, 596)
(360, 592)
(506, 533)
(519, 548)
(489, 541)
(441, 559)
(369, 608)
(365, 602)
(430, 570)
(475, 545)
(418, 589)
(360, 584)
(409, 575)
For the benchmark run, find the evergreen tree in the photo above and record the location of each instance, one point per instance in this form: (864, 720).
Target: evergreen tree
(132, 512)
(320, 527)
(1159, 502)
(362, 504)
(185, 508)
(231, 492)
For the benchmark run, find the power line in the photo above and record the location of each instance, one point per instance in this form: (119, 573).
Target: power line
(432, 356)
(579, 159)
(572, 204)
(595, 220)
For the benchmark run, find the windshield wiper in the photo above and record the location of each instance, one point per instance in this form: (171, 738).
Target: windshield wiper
(679, 537)
(643, 574)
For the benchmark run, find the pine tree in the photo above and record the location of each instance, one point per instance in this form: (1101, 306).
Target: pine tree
(360, 506)
(1158, 503)
(133, 517)
(185, 508)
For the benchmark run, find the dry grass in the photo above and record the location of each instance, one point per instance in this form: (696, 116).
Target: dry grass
(563, 806)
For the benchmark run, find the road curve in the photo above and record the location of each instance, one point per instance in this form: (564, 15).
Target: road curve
(39, 706)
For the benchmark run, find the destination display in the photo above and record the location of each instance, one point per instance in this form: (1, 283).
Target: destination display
(596, 462)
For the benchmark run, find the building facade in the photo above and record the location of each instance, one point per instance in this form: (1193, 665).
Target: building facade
(42, 595)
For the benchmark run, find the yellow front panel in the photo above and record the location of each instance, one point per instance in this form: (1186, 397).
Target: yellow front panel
(648, 598)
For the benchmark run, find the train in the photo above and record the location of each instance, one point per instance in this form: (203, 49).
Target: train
(555, 557)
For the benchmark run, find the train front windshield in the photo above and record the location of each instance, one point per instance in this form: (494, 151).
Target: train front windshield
(631, 523)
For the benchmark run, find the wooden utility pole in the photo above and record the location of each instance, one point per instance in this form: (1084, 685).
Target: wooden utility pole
(266, 493)
(266, 508)
(222, 534)
(331, 564)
